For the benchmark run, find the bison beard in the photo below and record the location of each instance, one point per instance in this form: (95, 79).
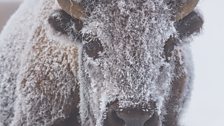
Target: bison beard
(125, 63)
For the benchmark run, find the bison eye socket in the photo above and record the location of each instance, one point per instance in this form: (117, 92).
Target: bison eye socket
(92, 46)
(169, 47)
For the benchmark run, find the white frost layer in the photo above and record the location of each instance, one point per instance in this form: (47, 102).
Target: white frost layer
(37, 70)
(13, 40)
(131, 69)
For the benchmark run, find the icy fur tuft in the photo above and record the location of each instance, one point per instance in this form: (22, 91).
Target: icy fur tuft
(132, 68)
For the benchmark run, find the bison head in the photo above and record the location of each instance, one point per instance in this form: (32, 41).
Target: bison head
(133, 63)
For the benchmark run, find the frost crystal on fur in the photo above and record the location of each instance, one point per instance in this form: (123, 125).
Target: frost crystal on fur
(131, 68)
(40, 70)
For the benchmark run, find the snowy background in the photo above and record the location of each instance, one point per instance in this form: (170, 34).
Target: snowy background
(206, 107)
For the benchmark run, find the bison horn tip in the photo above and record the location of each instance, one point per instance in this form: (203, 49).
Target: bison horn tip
(72, 8)
(186, 8)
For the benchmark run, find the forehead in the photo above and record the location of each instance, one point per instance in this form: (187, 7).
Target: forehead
(133, 36)
(128, 20)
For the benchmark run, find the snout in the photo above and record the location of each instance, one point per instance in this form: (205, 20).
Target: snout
(132, 116)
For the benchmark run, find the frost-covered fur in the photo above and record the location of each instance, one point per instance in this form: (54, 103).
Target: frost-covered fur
(41, 70)
(129, 69)
(38, 72)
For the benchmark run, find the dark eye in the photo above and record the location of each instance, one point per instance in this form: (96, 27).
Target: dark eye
(169, 47)
(62, 22)
(93, 46)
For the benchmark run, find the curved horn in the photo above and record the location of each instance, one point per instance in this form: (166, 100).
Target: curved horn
(185, 8)
(72, 8)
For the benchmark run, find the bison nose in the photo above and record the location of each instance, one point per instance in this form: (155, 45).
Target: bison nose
(134, 117)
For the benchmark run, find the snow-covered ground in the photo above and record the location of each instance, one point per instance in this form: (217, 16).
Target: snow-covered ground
(206, 107)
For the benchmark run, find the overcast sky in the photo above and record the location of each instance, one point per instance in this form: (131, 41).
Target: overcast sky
(206, 107)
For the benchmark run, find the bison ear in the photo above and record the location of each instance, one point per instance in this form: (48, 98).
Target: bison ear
(185, 27)
(189, 25)
(63, 23)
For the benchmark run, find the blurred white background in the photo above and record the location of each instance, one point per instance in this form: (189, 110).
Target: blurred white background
(206, 107)
(7, 7)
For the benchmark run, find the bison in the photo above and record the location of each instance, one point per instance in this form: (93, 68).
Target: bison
(97, 62)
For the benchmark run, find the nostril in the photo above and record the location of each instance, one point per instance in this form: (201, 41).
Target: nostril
(134, 117)
(113, 120)
(154, 120)
(117, 119)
